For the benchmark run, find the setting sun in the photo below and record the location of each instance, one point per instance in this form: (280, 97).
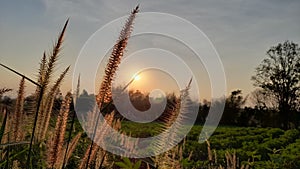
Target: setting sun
(137, 77)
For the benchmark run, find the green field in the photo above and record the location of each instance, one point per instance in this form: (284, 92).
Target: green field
(258, 147)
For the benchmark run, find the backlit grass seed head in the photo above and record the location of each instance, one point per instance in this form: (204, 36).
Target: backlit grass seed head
(56, 148)
(105, 94)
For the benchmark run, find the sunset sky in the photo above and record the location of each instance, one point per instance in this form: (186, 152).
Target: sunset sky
(240, 30)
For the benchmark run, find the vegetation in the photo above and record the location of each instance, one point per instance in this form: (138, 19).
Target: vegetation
(256, 147)
(279, 74)
(42, 131)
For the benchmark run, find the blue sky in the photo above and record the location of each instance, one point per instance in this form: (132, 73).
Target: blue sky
(241, 30)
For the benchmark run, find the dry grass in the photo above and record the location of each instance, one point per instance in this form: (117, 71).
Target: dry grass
(232, 161)
(72, 147)
(18, 115)
(55, 149)
(4, 90)
(104, 94)
(44, 78)
(45, 117)
(59, 151)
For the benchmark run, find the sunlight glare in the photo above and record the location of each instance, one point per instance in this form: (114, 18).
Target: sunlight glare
(137, 77)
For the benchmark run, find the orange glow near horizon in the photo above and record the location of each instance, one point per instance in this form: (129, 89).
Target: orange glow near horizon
(153, 79)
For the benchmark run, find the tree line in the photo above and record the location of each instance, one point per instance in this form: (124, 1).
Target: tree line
(274, 102)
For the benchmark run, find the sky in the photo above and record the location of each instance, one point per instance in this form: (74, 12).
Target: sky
(240, 30)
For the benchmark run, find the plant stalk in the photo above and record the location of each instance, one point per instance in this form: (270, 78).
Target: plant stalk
(34, 126)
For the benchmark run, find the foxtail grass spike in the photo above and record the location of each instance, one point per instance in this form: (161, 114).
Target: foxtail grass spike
(104, 94)
(45, 117)
(18, 114)
(3, 124)
(57, 142)
(4, 90)
(54, 56)
(42, 69)
(41, 74)
(50, 67)
(66, 157)
(77, 93)
(70, 148)
(182, 104)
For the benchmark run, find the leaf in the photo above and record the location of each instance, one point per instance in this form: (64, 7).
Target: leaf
(127, 162)
(14, 156)
(137, 165)
(14, 143)
(121, 164)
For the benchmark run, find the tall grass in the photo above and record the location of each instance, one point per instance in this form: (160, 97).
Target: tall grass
(18, 115)
(72, 144)
(55, 149)
(52, 144)
(104, 95)
(44, 99)
(45, 74)
(173, 121)
(232, 161)
(3, 91)
(49, 105)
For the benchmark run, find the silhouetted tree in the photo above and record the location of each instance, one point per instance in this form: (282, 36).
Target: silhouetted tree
(233, 108)
(263, 100)
(203, 111)
(139, 100)
(279, 74)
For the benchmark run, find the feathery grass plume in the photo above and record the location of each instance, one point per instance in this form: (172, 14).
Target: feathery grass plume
(101, 159)
(8, 127)
(170, 159)
(231, 160)
(49, 71)
(104, 125)
(41, 74)
(209, 152)
(168, 118)
(175, 119)
(16, 164)
(91, 152)
(46, 71)
(45, 74)
(54, 56)
(56, 147)
(3, 124)
(65, 158)
(72, 147)
(104, 94)
(86, 156)
(108, 121)
(45, 116)
(41, 79)
(18, 114)
(128, 146)
(47, 67)
(4, 90)
(77, 92)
